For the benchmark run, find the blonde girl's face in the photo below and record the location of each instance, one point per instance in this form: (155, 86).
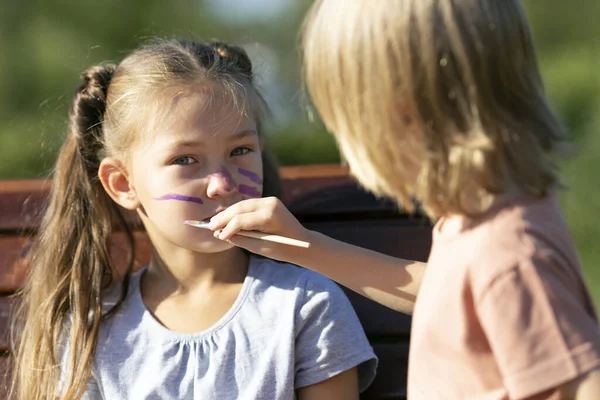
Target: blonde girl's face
(202, 158)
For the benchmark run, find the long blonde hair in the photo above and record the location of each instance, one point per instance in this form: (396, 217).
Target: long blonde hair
(70, 262)
(463, 72)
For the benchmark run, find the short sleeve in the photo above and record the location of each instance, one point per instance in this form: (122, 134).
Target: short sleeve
(329, 337)
(539, 325)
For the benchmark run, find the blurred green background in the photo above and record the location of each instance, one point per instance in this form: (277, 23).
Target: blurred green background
(46, 44)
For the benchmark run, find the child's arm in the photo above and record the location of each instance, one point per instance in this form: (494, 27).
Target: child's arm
(588, 387)
(340, 387)
(585, 388)
(391, 281)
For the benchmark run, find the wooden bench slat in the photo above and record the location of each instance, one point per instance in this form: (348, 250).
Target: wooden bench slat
(319, 189)
(378, 320)
(13, 267)
(22, 200)
(408, 242)
(395, 237)
(5, 376)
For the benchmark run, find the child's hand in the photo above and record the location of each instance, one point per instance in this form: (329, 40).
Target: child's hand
(266, 215)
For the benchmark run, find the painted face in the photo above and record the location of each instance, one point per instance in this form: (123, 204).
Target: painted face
(200, 159)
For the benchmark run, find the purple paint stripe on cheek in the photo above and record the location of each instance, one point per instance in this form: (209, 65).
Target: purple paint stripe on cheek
(180, 197)
(250, 175)
(249, 191)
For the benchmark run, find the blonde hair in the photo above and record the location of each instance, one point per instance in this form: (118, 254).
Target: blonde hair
(70, 261)
(438, 100)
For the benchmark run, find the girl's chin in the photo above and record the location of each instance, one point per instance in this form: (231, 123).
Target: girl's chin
(212, 245)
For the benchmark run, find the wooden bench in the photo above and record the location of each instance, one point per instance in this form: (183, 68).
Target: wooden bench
(324, 198)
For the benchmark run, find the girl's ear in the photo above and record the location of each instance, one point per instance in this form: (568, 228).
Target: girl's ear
(115, 180)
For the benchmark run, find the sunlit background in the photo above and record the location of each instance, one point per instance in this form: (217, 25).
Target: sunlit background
(44, 45)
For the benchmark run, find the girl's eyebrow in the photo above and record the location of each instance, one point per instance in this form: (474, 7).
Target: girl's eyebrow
(198, 143)
(242, 134)
(185, 143)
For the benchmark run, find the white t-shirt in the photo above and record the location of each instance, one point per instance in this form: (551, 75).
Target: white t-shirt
(288, 328)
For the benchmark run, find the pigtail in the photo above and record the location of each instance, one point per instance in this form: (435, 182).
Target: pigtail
(70, 263)
(233, 57)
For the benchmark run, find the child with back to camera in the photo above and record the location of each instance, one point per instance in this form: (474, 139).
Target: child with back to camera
(442, 101)
(172, 132)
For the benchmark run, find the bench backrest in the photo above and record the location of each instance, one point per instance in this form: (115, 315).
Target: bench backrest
(323, 198)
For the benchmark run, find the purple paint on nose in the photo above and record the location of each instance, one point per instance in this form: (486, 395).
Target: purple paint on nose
(250, 175)
(226, 175)
(180, 197)
(249, 190)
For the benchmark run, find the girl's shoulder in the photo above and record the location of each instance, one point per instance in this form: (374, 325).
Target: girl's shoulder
(277, 274)
(329, 337)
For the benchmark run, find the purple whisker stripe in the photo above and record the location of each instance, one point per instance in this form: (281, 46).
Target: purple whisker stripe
(180, 197)
(250, 175)
(249, 191)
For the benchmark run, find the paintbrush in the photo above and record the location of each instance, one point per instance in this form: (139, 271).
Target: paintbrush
(256, 235)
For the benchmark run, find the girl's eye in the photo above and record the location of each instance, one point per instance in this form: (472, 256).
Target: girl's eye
(185, 160)
(240, 151)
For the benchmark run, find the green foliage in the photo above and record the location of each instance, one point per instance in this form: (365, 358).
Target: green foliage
(45, 45)
(567, 38)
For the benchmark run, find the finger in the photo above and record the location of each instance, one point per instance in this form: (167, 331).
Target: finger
(252, 221)
(245, 206)
(256, 246)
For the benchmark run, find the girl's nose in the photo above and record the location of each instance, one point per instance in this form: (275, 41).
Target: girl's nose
(221, 183)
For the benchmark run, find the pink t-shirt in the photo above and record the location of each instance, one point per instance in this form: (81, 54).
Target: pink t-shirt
(503, 312)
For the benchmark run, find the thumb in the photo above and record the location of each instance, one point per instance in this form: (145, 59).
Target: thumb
(257, 246)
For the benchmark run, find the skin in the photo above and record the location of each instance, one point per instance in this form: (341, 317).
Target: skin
(192, 167)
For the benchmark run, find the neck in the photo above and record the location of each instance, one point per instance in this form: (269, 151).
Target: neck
(477, 202)
(183, 271)
(479, 206)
